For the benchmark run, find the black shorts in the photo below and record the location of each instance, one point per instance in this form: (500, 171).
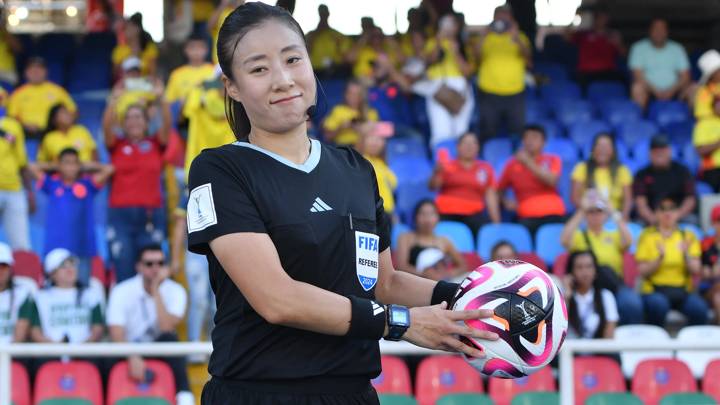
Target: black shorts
(224, 392)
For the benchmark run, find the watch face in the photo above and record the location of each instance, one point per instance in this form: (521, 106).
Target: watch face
(400, 317)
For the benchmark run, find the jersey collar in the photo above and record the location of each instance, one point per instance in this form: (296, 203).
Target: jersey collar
(310, 164)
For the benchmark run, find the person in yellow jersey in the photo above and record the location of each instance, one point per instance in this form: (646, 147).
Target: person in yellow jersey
(503, 56)
(341, 126)
(668, 257)
(137, 43)
(64, 133)
(9, 47)
(446, 73)
(372, 146)
(706, 135)
(216, 20)
(135, 89)
(13, 202)
(31, 102)
(327, 46)
(371, 44)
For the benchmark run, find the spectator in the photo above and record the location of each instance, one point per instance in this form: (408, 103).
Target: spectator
(598, 51)
(664, 178)
(433, 264)
(660, 66)
(223, 9)
(706, 135)
(15, 301)
(148, 308)
(710, 279)
(608, 248)
(31, 102)
(134, 88)
(448, 95)
(504, 54)
(667, 259)
(187, 77)
(342, 124)
(138, 43)
(387, 95)
(533, 175)
(503, 250)
(592, 310)
(135, 216)
(416, 26)
(70, 224)
(604, 173)
(14, 204)
(466, 187)
(66, 311)
(371, 44)
(9, 47)
(64, 133)
(372, 146)
(327, 46)
(410, 244)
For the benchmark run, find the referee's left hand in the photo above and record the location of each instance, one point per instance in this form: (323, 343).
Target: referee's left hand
(436, 327)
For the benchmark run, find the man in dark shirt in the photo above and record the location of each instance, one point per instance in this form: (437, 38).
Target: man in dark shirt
(664, 178)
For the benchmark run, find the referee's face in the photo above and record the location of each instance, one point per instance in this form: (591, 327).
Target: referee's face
(273, 78)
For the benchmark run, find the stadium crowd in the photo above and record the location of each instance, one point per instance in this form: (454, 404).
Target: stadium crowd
(471, 132)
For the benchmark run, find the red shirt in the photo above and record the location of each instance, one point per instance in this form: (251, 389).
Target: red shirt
(596, 53)
(138, 167)
(535, 198)
(463, 189)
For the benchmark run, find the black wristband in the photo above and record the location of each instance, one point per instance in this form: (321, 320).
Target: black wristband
(444, 291)
(367, 320)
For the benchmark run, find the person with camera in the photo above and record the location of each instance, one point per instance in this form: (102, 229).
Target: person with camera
(504, 53)
(608, 247)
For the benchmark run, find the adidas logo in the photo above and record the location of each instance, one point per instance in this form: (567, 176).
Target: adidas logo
(320, 206)
(377, 309)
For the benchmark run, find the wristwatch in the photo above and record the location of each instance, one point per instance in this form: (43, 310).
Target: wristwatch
(398, 321)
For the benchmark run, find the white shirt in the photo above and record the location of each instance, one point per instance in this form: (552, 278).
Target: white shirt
(131, 307)
(61, 315)
(590, 319)
(8, 315)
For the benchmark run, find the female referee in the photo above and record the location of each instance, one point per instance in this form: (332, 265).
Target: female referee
(297, 242)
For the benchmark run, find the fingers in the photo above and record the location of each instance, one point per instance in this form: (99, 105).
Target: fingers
(470, 314)
(455, 345)
(464, 330)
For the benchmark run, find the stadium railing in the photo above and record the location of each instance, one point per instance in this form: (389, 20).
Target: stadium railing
(570, 347)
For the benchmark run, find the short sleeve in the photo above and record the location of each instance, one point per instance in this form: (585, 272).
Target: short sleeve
(682, 58)
(91, 146)
(96, 317)
(555, 165)
(335, 119)
(115, 315)
(504, 181)
(27, 309)
(176, 301)
(611, 310)
(43, 154)
(694, 248)
(624, 176)
(66, 99)
(219, 203)
(192, 103)
(578, 242)
(639, 188)
(706, 131)
(646, 249)
(703, 103)
(634, 59)
(579, 173)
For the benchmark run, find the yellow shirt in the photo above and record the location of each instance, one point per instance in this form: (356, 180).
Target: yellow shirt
(7, 59)
(216, 31)
(122, 52)
(707, 132)
(387, 182)
(202, 10)
(131, 97)
(184, 79)
(613, 191)
(672, 271)
(208, 127)
(704, 101)
(327, 48)
(502, 65)
(12, 155)
(341, 114)
(31, 103)
(447, 67)
(77, 137)
(607, 247)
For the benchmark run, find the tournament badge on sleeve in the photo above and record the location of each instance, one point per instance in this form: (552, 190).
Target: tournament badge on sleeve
(367, 246)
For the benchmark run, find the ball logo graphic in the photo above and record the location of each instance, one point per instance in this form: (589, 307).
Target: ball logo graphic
(530, 317)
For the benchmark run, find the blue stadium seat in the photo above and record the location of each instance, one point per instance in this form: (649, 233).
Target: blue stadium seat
(666, 112)
(617, 112)
(408, 195)
(702, 188)
(497, 149)
(575, 111)
(565, 187)
(680, 132)
(535, 110)
(560, 90)
(641, 151)
(633, 132)
(499, 167)
(552, 128)
(690, 158)
(583, 133)
(564, 148)
(405, 147)
(450, 145)
(634, 165)
(606, 90)
(552, 70)
(458, 233)
(490, 234)
(409, 169)
(635, 230)
(547, 242)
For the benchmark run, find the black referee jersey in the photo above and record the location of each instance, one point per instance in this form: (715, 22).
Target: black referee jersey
(326, 220)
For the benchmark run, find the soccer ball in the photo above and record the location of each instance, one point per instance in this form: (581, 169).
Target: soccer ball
(530, 317)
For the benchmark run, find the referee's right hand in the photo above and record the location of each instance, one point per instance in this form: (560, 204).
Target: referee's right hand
(436, 327)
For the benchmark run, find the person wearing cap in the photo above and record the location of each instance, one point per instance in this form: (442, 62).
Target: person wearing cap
(65, 310)
(431, 263)
(373, 138)
(608, 247)
(663, 177)
(706, 134)
(31, 102)
(14, 203)
(138, 43)
(660, 66)
(668, 258)
(15, 301)
(709, 286)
